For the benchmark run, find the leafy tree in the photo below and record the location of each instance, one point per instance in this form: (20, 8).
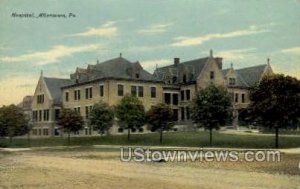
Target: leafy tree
(160, 118)
(13, 122)
(275, 103)
(101, 117)
(70, 121)
(131, 113)
(211, 108)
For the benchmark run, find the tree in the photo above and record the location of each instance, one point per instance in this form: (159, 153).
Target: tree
(71, 121)
(275, 103)
(101, 117)
(160, 118)
(131, 113)
(211, 108)
(13, 122)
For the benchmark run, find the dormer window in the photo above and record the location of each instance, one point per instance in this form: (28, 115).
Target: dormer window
(232, 81)
(212, 75)
(174, 79)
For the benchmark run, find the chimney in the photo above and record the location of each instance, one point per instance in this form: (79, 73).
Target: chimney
(268, 61)
(219, 61)
(176, 61)
(211, 53)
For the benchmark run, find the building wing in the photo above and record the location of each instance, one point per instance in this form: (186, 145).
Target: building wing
(54, 86)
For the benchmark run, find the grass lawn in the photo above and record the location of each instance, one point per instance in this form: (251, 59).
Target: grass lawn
(189, 139)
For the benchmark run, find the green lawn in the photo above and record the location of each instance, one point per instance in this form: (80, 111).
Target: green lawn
(189, 139)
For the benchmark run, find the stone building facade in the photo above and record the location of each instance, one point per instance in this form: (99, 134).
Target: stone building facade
(109, 81)
(46, 106)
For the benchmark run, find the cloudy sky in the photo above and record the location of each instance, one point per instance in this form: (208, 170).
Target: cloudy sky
(244, 33)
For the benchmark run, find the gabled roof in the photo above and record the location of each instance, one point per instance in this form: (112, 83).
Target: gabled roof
(194, 66)
(115, 68)
(252, 75)
(248, 77)
(54, 86)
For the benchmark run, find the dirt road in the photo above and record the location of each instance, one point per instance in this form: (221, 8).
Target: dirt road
(89, 169)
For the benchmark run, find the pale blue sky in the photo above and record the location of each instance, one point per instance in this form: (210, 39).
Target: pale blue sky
(245, 33)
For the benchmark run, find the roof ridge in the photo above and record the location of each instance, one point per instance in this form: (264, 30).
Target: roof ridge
(252, 67)
(57, 78)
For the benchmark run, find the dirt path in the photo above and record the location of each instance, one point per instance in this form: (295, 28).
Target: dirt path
(36, 170)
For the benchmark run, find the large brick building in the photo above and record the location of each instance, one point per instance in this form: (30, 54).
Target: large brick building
(109, 81)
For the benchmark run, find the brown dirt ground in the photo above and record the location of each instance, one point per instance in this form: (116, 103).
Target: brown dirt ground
(99, 169)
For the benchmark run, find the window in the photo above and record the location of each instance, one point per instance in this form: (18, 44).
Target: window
(184, 78)
(191, 76)
(77, 109)
(76, 94)
(243, 98)
(133, 90)
(34, 132)
(137, 75)
(212, 75)
(182, 113)
(88, 92)
(137, 90)
(175, 99)
(46, 115)
(174, 79)
(40, 131)
(120, 130)
(175, 114)
(188, 94)
(57, 114)
(101, 90)
(141, 91)
(231, 81)
(188, 114)
(40, 115)
(182, 95)
(45, 132)
(153, 92)
(88, 110)
(34, 115)
(167, 98)
(40, 99)
(67, 96)
(236, 97)
(91, 92)
(120, 90)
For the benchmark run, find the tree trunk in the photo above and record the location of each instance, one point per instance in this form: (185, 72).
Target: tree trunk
(276, 137)
(128, 136)
(28, 138)
(69, 137)
(210, 136)
(161, 136)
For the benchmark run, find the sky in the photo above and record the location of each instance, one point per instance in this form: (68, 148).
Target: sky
(244, 33)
